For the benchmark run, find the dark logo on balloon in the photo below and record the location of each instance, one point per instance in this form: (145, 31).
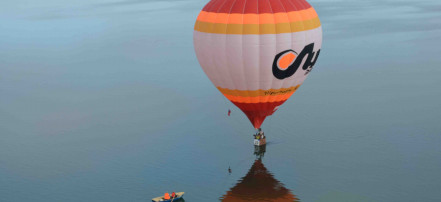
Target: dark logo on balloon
(287, 62)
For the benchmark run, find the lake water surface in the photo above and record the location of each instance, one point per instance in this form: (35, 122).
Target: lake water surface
(105, 101)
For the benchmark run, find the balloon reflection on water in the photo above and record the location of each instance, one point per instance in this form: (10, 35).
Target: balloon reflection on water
(259, 184)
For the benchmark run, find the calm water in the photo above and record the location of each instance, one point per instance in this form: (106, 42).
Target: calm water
(105, 101)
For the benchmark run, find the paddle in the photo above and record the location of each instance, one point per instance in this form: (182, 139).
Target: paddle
(174, 198)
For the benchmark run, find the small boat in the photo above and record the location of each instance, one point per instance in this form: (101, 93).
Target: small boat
(161, 198)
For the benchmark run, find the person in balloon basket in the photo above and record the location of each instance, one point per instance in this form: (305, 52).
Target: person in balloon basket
(259, 135)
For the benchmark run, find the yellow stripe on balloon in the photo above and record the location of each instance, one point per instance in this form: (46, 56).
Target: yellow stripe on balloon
(279, 28)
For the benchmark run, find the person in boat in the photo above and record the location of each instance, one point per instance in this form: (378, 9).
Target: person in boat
(166, 196)
(173, 195)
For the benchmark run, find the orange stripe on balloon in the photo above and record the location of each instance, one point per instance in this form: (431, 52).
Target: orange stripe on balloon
(265, 18)
(259, 99)
(257, 93)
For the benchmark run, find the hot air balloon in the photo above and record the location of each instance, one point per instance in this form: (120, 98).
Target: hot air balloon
(257, 52)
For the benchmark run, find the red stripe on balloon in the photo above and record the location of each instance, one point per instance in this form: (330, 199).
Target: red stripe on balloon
(257, 112)
(255, 6)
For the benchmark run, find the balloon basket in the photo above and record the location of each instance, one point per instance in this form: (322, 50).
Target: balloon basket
(260, 142)
(259, 138)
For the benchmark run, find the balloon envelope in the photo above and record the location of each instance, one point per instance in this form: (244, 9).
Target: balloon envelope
(256, 52)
